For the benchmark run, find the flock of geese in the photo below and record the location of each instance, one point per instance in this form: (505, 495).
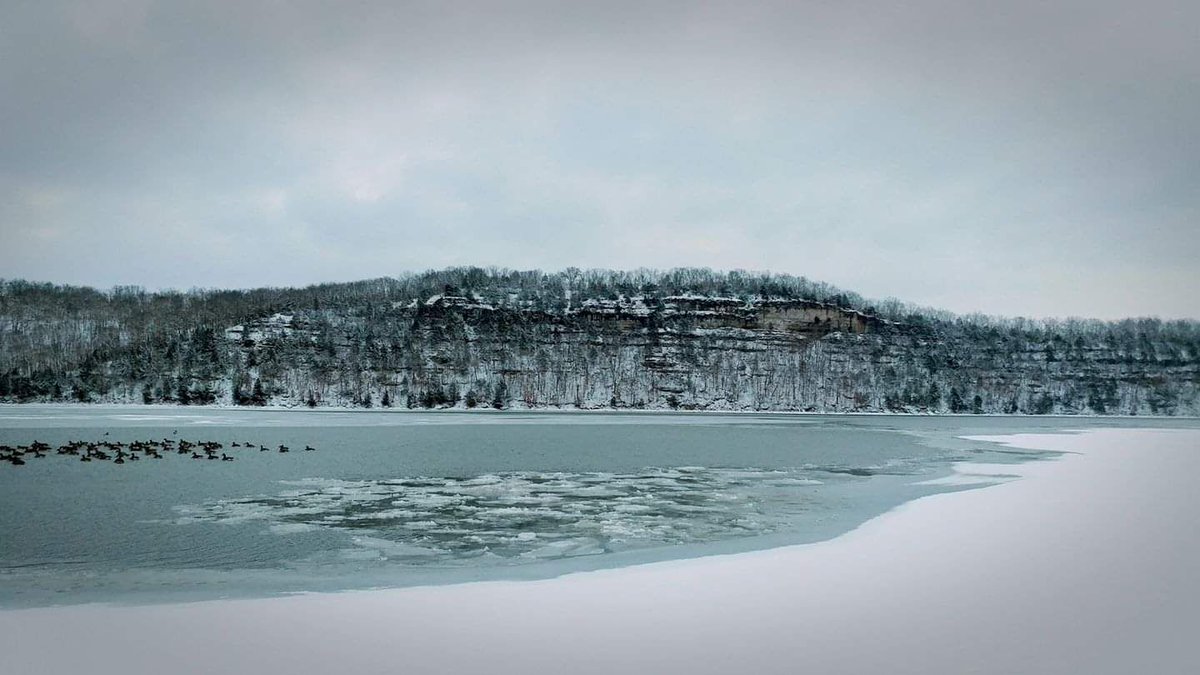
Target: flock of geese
(120, 452)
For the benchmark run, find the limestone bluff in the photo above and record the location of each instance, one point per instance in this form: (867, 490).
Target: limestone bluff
(487, 338)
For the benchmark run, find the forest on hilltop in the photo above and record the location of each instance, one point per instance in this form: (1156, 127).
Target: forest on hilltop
(680, 339)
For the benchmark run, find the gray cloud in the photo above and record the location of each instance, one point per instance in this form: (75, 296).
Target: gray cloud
(1023, 158)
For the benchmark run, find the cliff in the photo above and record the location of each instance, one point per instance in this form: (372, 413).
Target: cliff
(685, 339)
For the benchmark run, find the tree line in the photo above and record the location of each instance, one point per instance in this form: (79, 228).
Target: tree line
(475, 337)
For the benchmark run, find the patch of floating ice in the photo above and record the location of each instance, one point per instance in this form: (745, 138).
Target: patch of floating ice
(513, 516)
(291, 528)
(392, 549)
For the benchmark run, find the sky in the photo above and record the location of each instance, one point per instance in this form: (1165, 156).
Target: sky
(1017, 158)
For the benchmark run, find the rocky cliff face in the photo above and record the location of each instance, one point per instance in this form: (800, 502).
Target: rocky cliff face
(713, 355)
(689, 350)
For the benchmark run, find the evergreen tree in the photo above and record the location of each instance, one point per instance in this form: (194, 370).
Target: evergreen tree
(203, 394)
(933, 397)
(956, 402)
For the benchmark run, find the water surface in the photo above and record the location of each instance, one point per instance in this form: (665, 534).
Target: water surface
(395, 498)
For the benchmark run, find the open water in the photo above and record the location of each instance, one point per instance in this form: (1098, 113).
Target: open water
(398, 498)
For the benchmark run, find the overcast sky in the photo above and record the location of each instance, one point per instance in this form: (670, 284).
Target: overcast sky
(1017, 157)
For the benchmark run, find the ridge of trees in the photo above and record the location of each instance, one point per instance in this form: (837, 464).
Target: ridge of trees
(380, 342)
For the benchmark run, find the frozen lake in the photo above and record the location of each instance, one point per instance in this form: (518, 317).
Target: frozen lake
(393, 498)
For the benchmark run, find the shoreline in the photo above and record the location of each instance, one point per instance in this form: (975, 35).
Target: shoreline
(1084, 564)
(5, 405)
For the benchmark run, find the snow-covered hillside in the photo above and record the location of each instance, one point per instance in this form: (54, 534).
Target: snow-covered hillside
(686, 339)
